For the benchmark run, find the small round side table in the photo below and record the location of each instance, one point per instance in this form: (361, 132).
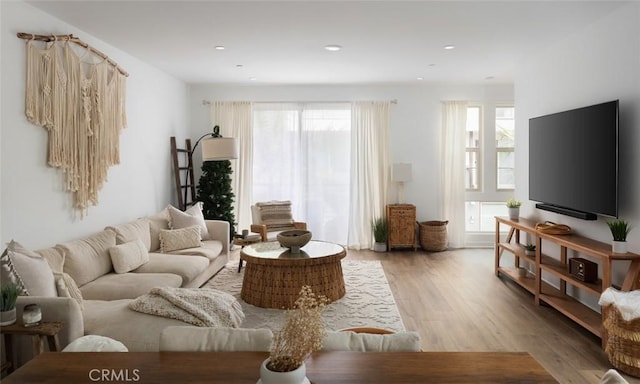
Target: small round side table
(244, 241)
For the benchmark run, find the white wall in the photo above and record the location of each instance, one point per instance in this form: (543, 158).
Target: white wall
(599, 64)
(414, 127)
(34, 209)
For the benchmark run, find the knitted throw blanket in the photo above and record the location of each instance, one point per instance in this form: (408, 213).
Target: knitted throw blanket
(204, 307)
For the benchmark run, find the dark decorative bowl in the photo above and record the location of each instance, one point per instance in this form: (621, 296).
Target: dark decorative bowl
(294, 239)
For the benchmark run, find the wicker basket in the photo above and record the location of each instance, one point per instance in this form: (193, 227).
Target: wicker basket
(623, 341)
(433, 235)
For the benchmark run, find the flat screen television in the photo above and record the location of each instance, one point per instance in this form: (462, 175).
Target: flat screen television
(573, 161)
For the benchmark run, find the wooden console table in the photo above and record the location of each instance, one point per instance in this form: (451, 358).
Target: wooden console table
(556, 264)
(322, 367)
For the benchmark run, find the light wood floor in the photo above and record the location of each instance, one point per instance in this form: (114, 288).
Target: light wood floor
(456, 303)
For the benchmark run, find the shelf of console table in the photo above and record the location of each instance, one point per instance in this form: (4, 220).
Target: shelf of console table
(558, 267)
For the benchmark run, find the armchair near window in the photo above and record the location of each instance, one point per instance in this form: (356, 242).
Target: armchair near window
(272, 217)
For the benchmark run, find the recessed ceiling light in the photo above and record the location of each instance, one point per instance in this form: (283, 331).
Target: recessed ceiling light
(219, 47)
(419, 78)
(253, 79)
(333, 47)
(431, 65)
(239, 65)
(449, 47)
(489, 78)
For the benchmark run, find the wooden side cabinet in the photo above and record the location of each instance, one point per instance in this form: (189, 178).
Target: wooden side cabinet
(401, 223)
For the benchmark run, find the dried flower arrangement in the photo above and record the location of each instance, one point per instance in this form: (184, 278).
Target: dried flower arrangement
(302, 333)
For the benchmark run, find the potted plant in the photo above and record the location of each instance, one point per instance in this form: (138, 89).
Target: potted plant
(380, 232)
(514, 208)
(619, 230)
(530, 249)
(8, 296)
(302, 334)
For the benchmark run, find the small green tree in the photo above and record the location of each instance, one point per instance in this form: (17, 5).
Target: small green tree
(215, 193)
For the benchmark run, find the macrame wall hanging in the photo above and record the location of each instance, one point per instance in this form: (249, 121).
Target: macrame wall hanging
(80, 100)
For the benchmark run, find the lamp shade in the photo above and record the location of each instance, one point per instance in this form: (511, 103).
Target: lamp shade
(219, 148)
(401, 172)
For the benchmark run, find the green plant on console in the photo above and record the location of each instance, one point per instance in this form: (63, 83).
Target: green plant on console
(9, 295)
(530, 247)
(513, 203)
(379, 227)
(619, 229)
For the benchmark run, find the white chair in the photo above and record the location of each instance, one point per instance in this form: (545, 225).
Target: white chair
(272, 217)
(206, 339)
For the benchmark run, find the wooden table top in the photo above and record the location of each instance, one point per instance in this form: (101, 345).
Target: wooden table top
(243, 367)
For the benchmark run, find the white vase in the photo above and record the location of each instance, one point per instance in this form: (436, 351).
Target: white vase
(529, 252)
(619, 246)
(8, 317)
(379, 247)
(514, 213)
(297, 376)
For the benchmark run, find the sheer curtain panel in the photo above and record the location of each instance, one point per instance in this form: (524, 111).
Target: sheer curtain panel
(452, 187)
(301, 154)
(235, 120)
(369, 169)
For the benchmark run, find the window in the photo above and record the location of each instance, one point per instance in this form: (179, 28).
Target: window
(490, 136)
(473, 153)
(505, 135)
(301, 153)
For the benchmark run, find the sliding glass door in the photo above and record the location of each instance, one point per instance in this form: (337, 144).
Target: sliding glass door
(301, 153)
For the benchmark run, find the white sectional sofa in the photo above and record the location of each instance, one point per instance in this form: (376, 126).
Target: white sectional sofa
(105, 294)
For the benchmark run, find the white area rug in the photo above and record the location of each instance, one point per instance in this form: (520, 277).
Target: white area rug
(367, 303)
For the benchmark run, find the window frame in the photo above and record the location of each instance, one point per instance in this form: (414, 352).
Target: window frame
(477, 150)
(499, 150)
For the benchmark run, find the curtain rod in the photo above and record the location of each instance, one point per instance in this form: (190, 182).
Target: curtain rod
(207, 102)
(73, 39)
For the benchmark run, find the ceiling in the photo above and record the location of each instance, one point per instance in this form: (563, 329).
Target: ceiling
(269, 42)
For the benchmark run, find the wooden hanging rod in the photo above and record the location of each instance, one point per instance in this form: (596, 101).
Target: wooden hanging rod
(73, 39)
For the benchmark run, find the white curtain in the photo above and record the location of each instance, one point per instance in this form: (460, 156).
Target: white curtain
(302, 155)
(369, 170)
(452, 187)
(235, 120)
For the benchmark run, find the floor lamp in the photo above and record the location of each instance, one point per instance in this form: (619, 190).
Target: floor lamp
(216, 148)
(401, 173)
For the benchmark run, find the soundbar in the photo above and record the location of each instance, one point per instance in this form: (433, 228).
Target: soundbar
(567, 211)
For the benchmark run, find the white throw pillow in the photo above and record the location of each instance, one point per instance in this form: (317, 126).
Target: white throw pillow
(128, 256)
(28, 270)
(175, 239)
(188, 218)
(67, 287)
(95, 343)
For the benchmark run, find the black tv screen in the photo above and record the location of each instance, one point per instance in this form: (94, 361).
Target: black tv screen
(573, 161)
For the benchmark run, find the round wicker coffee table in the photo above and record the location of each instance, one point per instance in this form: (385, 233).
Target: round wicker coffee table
(273, 275)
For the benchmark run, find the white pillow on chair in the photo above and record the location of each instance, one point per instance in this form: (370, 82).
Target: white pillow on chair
(367, 342)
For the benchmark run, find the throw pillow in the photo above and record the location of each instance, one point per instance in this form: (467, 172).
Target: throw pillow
(28, 270)
(128, 256)
(192, 216)
(67, 287)
(276, 214)
(135, 230)
(172, 240)
(157, 222)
